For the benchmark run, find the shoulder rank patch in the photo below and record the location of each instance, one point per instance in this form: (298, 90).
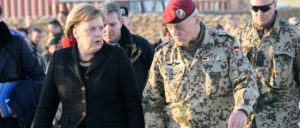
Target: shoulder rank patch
(235, 48)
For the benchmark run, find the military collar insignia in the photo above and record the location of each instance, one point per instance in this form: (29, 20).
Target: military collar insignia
(180, 13)
(221, 33)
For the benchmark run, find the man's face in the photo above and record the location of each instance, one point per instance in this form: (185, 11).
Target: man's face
(61, 18)
(36, 37)
(112, 28)
(53, 29)
(262, 11)
(183, 32)
(28, 21)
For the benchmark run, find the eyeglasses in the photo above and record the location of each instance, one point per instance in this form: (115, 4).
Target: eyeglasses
(264, 8)
(180, 26)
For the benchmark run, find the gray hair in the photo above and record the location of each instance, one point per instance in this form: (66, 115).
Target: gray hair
(112, 7)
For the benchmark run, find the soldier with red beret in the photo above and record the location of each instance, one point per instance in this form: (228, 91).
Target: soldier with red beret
(200, 79)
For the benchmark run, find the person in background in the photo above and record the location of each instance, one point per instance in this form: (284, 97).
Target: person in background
(28, 24)
(54, 42)
(230, 25)
(62, 17)
(137, 48)
(65, 41)
(272, 47)
(294, 21)
(56, 31)
(200, 79)
(94, 81)
(166, 37)
(125, 13)
(219, 27)
(16, 65)
(35, 40)
(24, 32)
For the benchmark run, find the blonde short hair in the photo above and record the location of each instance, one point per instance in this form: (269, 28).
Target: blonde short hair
(81, 12)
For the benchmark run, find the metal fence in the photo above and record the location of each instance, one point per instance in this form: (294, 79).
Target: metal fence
(21, 8)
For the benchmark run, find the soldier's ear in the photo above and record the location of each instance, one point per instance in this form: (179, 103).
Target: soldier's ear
(197, 19)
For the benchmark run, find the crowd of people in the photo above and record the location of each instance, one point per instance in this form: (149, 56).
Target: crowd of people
(96, 73)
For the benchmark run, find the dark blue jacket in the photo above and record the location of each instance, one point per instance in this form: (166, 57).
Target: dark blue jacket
(17, 63)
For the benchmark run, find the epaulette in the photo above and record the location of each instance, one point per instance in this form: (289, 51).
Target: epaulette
(220, 37)
(162, 44)
(213, 32)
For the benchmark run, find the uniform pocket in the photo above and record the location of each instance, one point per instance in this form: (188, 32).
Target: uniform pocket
(216, 78)
(282, 69)
(174, 72)
(173, 77)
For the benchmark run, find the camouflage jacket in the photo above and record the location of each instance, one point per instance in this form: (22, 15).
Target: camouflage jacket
(276, 60)
(198, 90)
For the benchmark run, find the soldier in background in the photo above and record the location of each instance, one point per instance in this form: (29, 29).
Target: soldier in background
(166, 37)
(294, 21)
(200, 79)
(273, 48)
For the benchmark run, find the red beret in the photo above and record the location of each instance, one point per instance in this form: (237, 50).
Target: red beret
(178, 10)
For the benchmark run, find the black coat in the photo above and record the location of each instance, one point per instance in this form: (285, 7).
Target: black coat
(109, 99)
(140, 53)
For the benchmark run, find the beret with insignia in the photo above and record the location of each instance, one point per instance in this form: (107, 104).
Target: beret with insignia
(177, 11)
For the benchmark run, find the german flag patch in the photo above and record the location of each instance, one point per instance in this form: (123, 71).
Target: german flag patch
(235, 48)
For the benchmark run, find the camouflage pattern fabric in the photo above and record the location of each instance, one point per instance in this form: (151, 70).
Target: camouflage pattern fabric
(198, 90)
(276, 60)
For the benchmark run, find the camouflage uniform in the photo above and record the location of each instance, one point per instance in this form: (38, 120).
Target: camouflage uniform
(198, 87)
(276, 60)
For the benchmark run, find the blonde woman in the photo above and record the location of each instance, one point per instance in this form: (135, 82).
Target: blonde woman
(94, 81)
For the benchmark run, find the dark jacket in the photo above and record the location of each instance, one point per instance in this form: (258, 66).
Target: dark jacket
(37, 54)
(140, 53)
(109, 99)
(17, 63)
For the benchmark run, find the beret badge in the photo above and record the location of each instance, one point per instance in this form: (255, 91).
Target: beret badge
(180, 13)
